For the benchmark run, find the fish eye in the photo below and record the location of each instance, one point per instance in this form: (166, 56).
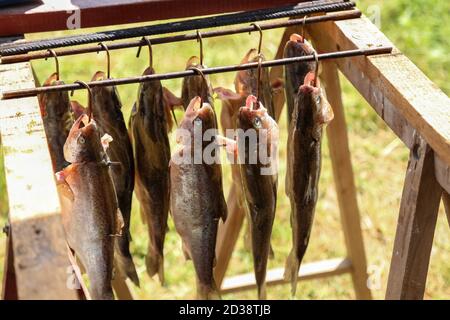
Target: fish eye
(257, 122)
(318, 99)
(81, 140)
(198, 121)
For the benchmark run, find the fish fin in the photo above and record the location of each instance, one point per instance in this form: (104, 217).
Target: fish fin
(125, 265)
(227, 94)
(63, 187)
(271, 252)
(119, 222)
(326, 114)
(186, 253)
(291, 271)
(171, 101)
(155, 265)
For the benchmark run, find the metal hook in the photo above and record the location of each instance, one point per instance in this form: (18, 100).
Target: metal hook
(257, 27)
(200, 72)
(53, 53)
(199, 39)
(108, 57)
(316, 71)
(150, 50)
(90, 97)
(258, 85)
(303, 28)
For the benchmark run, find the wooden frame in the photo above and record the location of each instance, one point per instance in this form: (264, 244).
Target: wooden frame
(402, 96)
(414, 108)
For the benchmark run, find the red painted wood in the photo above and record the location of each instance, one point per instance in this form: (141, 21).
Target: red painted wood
(50, 15)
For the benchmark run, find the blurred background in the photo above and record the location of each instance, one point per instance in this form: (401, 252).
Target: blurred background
(379, 157)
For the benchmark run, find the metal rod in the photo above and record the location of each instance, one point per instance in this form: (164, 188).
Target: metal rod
(182, 26)
(186, 73)
(183, 37)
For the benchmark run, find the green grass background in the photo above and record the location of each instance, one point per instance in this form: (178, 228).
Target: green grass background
(378, 156)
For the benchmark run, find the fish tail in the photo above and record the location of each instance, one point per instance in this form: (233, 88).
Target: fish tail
(207, 292)
(155, 265)
(262, 293)
(291, 271)
(125, 264)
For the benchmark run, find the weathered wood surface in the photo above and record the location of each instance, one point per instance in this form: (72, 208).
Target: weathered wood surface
(122, 287)
(308, 271)
(50, 15)
(34, 210)
(416, 225)
(344, 181)
(9, 285)
(446, 201)
(398, 91)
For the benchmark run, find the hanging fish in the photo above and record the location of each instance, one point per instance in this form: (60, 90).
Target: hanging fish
(259, 177)
(310, 114)
(245, 84)
(106, 109)
(58, 118)
(91, 216)
(196, 197)
(197, 85)
(150, 123)
(295, 73)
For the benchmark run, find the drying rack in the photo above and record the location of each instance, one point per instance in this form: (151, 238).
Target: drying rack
(37, 261)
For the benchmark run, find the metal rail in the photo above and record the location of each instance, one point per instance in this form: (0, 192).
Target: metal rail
(305, 8)
(186, 73)
(182, 37)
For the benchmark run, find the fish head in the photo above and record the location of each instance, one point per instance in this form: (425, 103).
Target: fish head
(198, 115)
(106, 100)
(246, 80)
(195, 85)
(321, 108)
(83, 143)
(54, 104)
(254, 116)
(298, 47)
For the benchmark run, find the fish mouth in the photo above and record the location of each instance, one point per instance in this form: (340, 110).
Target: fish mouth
(308, 85)
(99, 75)
(296, 38)
(193, 61)
(83, 123)
(52, 80)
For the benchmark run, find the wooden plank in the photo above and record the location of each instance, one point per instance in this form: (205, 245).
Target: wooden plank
(308, 271)
(34, 210)
(344, 181)
(446, 201)
(442, 172)
(9, 286)
(398, 91)
(50, 15)
(123, 288)
(228, 234)
(416, 224)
